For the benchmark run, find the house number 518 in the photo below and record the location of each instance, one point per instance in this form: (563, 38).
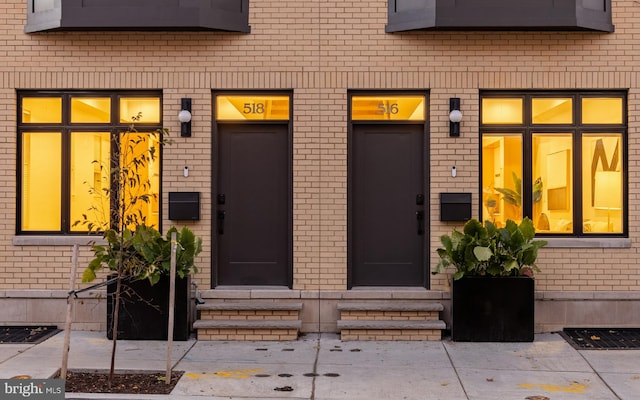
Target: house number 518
(253, 108)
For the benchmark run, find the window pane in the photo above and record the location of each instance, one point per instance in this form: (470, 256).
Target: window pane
(502, 111)
(90, 157)
(90, 110)
(41, 181)
(601, 110)
(602, 183)
(553, 187)
(39, 110)
(552, 111)
(148, 108)
(502, 178)
(142, 193)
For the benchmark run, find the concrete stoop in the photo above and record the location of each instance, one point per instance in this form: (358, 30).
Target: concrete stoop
(248, 320)
(390, 320)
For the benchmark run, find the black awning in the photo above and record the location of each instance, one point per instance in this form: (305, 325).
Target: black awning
(135, 15)
(515, 15)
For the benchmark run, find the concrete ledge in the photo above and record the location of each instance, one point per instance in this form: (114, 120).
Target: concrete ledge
(275, 294)
(244, 292)
(389, 306)
(588, 295)
(256, 324)
(323, 294)
(251, 306)
(591, 243)
(48, 294)
(37, 240)
(394, 294)
(390, 325)
(391, 293)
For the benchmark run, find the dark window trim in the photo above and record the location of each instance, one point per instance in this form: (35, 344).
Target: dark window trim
(577, 129)
(114, 127)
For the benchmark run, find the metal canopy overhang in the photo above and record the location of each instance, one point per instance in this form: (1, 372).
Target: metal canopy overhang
(137, 15)
(514, 15)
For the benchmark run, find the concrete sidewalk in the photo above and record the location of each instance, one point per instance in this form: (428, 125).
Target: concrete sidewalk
(321, 367)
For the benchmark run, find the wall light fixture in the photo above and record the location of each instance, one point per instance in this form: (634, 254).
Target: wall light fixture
(184, 116)
(455, 116)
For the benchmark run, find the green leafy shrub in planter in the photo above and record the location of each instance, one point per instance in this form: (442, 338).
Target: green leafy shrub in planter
(144, 253)
(485, 250)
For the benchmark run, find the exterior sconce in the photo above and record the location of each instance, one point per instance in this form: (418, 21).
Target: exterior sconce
(185, 117)
(455, 116)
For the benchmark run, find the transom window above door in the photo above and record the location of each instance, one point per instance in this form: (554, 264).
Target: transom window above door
(556, 157)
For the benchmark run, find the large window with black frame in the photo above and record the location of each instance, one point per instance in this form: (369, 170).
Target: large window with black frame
(558, 158)
(67, 142)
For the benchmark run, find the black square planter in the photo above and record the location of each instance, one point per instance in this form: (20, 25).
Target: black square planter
(493, 309)
(144, 310)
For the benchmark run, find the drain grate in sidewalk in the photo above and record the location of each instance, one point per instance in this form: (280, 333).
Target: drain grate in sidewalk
(602, 338)
(26, 334)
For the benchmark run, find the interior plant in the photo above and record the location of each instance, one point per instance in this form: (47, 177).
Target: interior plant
(486, 250)
(514, 197)
(511, 196)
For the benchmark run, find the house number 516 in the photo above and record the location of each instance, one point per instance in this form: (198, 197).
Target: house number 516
(253, 108)
(385, 109)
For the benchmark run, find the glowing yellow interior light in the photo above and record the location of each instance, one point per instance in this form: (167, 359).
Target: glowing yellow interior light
(90, 163)
(502, 111)
(238, 108)
(41, 181)
(47, 110)
(501, 177)
(147, 107)
(601, 110)
(90, 110)
(391, 108)
(552, 111)
(602, 183)
(149, 175)
(552, 175)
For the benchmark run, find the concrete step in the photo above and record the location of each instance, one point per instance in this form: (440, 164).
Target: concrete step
(244, 330)
(390, 320)
(391, 330)
(250, 306)
(248, 320)
(389, 306)
(247, 324)
(390, 325)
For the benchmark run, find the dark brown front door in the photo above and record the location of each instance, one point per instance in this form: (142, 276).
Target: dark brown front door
(387, 226)
(253, 206)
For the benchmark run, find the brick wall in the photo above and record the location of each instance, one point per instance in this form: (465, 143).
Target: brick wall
(320, 49)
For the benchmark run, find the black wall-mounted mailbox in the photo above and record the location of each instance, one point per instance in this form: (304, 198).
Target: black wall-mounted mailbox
(184, 206)
(455, 206)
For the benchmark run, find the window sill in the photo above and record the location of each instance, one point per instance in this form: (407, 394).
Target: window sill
(51, 240)
(618, 243)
